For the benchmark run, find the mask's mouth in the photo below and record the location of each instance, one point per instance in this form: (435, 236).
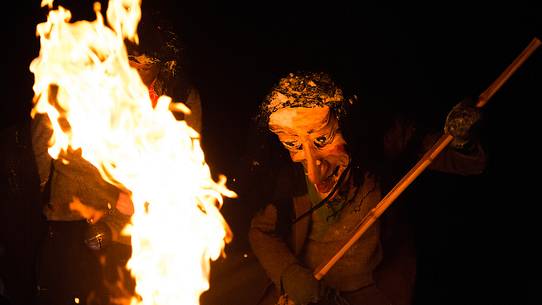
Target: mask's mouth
(325, 185)
(331, 193)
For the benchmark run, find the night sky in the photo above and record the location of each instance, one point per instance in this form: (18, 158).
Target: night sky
(426, 58)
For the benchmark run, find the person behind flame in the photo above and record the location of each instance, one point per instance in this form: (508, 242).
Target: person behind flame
(335, 179)
(85, 214)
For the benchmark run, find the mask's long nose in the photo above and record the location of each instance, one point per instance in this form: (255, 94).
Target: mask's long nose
(312, 163)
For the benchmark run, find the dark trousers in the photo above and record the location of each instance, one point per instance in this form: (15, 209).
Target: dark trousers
(68, 272)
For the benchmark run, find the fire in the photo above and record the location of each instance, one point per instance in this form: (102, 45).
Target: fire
(97, 103)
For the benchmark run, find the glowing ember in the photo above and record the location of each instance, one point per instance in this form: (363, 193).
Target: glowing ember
(98, 103)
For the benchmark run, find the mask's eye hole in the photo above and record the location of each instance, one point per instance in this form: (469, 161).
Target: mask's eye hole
(292, 145)
(133, 58)
(321, 141)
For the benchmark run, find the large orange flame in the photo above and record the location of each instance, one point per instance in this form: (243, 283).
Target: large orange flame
(98, 103)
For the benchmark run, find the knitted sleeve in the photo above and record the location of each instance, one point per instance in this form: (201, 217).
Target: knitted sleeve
(271, 250)
(41, 135)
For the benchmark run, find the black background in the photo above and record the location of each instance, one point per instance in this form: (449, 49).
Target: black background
(478, 235)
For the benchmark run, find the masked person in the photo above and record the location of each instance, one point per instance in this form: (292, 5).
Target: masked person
(333, 182)
(81, 255)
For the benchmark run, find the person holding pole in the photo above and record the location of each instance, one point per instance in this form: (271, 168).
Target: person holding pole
(334, 182)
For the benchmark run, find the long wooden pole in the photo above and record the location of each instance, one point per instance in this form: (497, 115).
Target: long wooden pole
(427, 158)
